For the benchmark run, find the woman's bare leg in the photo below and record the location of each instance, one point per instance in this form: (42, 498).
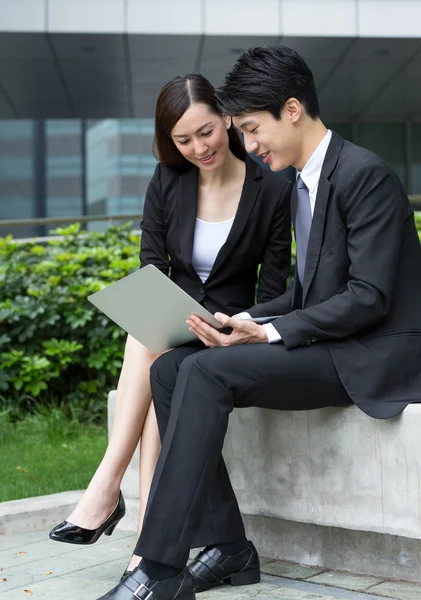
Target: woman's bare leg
(133, 401)
(150, 446)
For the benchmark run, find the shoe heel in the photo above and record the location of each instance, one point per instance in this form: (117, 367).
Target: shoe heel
(111, 528)
(244, 577)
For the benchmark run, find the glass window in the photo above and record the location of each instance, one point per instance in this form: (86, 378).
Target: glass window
(41, 169)
(16, 175)
(388, 141)
(416, 159)
(120, 165)
(342, 129)
(64, 168)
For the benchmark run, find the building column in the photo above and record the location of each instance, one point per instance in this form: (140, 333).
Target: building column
(39, 175)
(83, 171)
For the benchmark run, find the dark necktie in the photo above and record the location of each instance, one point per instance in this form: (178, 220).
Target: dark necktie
(302, 226)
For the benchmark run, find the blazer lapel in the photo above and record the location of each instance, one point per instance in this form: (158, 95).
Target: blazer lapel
(251, 189)
(298, 285)
(319, 216)
(316, 234)
(294, 199)
(187, 211)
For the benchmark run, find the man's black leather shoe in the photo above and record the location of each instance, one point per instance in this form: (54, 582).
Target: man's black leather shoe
(138, 586)
(211, 567)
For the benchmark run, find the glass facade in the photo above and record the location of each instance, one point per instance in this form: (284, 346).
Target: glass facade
(119, 165)
(16, 173)
(69, 168)
(415, 160)
(387, 140)
(63, 168)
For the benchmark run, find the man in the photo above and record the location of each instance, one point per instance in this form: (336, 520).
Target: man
(349, 329)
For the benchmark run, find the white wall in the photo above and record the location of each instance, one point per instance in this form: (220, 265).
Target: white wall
(342, 18)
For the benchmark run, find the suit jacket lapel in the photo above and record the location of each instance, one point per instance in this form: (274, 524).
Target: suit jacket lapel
(251, 189)
(187, 211)
(298, 285)
(319, 216)
(316, 233)
(294, 204)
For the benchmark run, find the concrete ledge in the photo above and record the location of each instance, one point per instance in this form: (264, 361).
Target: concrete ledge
(333, 467)
(365, 552)
(332, 488)
(36, 513)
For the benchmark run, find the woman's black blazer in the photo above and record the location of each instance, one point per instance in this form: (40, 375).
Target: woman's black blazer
(260, 235)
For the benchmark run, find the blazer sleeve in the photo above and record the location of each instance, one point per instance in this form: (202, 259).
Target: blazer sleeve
(274, 269)
(374, 215)
(278, 306)
(153, 249)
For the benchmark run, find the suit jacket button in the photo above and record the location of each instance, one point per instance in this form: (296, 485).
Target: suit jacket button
(202, 290)
(314, 339)
(308, 342)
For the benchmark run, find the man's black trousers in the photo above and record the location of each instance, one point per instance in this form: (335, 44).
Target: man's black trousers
(191, 502)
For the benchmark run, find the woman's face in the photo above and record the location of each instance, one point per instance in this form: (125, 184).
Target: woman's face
(201, 136)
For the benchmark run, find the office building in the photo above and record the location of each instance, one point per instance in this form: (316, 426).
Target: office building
(79, 80)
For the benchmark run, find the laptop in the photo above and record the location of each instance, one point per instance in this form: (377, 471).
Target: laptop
(152, 308)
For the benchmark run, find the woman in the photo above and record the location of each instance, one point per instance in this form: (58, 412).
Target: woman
(211, 217)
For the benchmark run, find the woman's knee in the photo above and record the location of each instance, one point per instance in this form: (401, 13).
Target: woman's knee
(137, 353)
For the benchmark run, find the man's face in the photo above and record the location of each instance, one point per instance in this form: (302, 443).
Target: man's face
(275, 141)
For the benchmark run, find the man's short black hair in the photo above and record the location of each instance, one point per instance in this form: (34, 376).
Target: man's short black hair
(263, 79)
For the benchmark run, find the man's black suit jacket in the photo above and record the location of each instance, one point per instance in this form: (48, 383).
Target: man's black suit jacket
(362, 284)
(260, 234)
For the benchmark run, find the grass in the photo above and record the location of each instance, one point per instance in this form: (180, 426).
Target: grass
(47, 453)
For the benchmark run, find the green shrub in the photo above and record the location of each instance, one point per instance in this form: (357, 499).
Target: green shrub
(56, 349)
(418, 223)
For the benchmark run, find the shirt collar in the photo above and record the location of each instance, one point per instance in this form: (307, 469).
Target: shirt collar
(313, 167)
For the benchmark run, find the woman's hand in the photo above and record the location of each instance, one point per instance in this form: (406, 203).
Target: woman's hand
(243, 331)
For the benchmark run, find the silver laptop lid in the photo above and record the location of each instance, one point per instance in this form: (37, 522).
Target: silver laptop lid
(152, 308)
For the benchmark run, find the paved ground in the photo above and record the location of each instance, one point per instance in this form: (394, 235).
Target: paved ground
(32, 565)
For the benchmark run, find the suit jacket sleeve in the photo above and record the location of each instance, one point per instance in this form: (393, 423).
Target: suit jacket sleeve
(274, 268)
(278, 306)
(373, 210)
(153, 245)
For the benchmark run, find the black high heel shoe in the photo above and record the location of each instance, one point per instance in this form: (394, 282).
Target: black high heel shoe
(73, 534)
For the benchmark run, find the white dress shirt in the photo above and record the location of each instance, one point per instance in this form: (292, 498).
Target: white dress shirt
(313, 168)
(310, 175)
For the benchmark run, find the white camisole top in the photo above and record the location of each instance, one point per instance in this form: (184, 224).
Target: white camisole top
(209, 237)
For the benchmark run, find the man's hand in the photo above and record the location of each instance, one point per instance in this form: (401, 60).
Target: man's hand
(243, 331)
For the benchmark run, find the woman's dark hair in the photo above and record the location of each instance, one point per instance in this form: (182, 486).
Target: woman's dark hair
(263, 79)
(173, 101)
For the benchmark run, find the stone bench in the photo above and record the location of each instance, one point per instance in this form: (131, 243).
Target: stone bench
(331, 487)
